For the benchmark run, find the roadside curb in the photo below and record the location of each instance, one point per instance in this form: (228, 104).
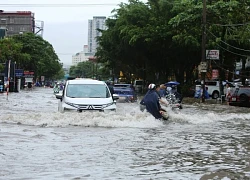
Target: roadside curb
(188, 100)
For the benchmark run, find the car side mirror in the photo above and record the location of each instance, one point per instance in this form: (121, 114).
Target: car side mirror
(59, 96)
(115, 97)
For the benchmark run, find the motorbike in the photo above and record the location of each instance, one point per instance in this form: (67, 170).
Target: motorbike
(174, 100)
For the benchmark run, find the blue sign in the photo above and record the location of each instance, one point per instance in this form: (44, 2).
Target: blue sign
(19, 72)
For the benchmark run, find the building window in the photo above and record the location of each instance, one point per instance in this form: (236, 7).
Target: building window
(12, 20)
(3, 21)
(22, 29)
(11, 29)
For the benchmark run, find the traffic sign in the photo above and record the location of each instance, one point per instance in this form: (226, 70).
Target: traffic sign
(19, 72)
(203, 65)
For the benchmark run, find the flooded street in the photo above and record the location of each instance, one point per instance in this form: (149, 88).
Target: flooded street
(201, 141)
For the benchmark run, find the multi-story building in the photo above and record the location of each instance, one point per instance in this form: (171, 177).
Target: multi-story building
(16, 22)
(81, 56)
(98, 22)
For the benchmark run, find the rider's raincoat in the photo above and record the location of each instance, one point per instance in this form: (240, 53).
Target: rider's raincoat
(151, 101)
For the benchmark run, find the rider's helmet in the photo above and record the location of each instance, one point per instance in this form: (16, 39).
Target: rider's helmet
(151, 86)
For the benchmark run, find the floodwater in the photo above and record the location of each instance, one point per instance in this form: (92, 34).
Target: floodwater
(201, 141)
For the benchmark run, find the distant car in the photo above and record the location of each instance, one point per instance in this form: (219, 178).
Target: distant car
(240, 97)
(86, 95)
(125, 92)
(138, 85)
(123, 86)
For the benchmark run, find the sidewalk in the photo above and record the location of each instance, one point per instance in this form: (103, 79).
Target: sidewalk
(191, 100)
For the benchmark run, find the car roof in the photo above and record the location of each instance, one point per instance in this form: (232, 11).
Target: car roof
(85, 81)
(122, 84)
(124, 89)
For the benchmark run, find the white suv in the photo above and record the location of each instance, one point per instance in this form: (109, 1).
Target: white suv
(213, 88)
(86, 95)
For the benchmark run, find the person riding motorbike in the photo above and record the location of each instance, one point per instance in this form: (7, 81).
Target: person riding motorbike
(151, 102)
(56, 88)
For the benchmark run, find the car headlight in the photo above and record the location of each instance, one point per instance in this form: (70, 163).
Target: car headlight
(107, 105)
(71, 104)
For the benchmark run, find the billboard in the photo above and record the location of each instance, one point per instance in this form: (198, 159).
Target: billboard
(215, 74)
(213, 54)
(28, 74)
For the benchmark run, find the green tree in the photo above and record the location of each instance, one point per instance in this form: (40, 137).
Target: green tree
(11, 50)
(118, 46)
(59, 75)
(43, 59)
(86, 69)
(164, 36)
(1, 67)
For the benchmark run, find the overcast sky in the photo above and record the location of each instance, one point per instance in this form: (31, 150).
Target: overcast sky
(66, 28)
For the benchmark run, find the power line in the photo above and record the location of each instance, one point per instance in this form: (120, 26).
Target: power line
(231, 51)
(229, 44)
(230, 25)
(58, 5)
(226, 70)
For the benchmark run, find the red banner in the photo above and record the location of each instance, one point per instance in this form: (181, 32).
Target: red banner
(215, 74)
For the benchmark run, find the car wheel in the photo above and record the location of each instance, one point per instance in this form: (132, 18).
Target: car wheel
(243, 98)
(215, 95)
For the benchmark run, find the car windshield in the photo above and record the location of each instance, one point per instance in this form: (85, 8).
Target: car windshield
(87, 91)
(122, 86)
(139, 82)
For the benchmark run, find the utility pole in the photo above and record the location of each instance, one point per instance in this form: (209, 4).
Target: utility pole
(14, 77)
(203, 51)
(8, 84)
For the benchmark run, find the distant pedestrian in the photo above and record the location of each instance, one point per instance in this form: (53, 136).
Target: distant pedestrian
(198, 92)
(206, 95)
(162, 90)
(228, 93)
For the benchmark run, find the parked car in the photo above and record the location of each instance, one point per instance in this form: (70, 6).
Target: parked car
(86, 95)
(123, 86)
(240, 97)
(125, 92)
(213, 88)
(138, 85)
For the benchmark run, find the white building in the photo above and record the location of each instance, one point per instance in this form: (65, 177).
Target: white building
(98, 22)
(81, 56)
